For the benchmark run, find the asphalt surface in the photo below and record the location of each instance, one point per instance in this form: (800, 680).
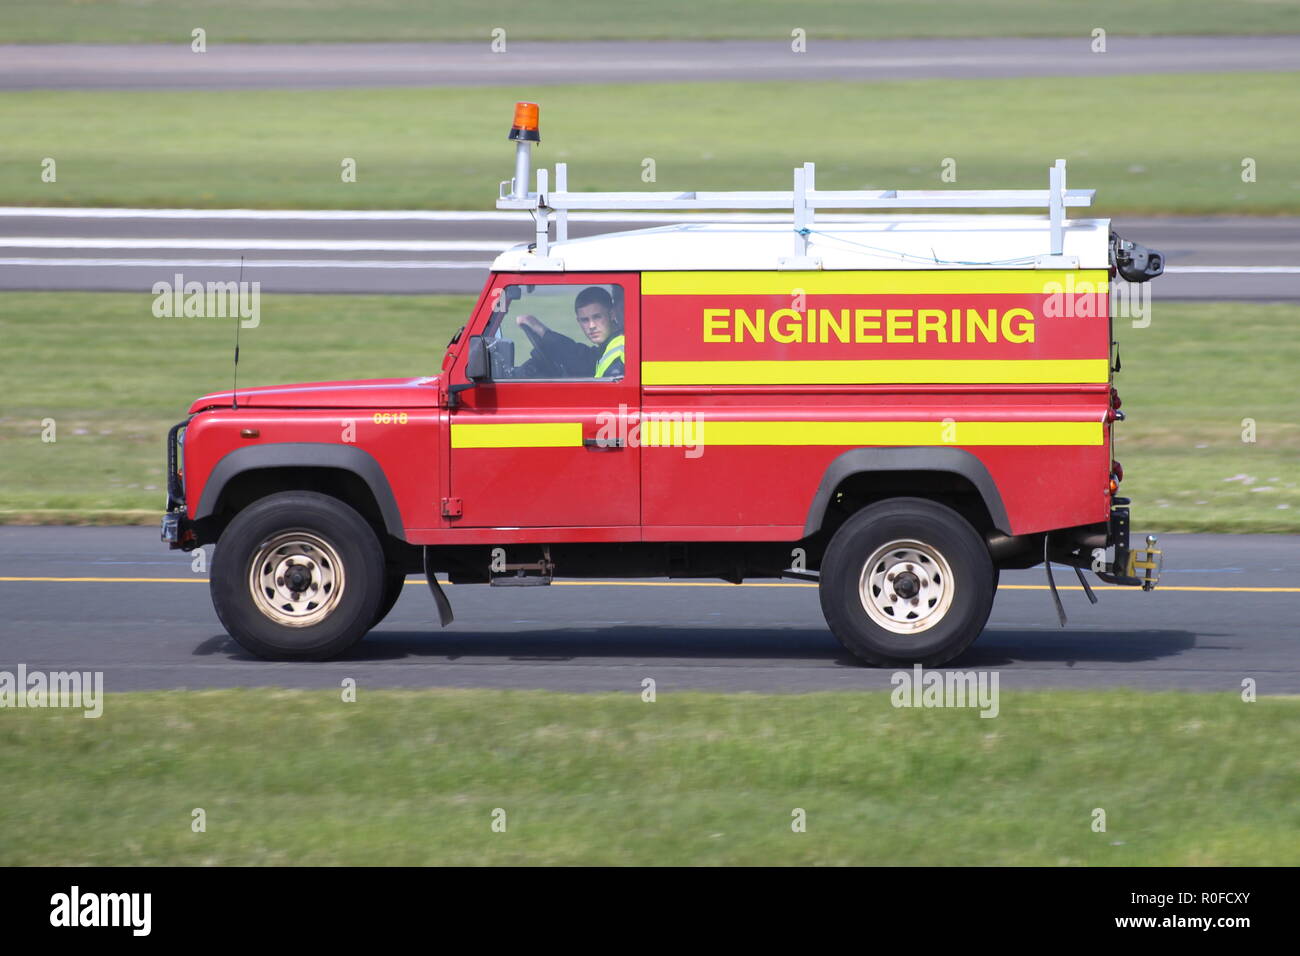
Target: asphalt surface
(1199, 631)
(529, 65)
(1230, 258)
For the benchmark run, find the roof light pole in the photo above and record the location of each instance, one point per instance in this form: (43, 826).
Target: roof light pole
(524, 132)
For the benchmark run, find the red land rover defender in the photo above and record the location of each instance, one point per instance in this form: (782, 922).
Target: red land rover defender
(896, 406)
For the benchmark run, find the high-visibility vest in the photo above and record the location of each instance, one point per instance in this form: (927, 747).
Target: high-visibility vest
(613, 352)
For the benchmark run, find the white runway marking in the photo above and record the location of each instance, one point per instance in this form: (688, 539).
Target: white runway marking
(250, 263)
(323, 245)
(1234, 270)
(389, 215)
(291, 215)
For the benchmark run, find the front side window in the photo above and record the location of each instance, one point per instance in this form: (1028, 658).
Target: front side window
(557, 333)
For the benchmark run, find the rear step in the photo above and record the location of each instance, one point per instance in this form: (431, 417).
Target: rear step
(801, 574)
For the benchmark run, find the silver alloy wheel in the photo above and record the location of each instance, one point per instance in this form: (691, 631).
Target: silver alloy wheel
(906, 587)
(296, 578)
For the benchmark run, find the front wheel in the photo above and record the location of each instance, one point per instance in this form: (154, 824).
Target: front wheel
(394, 581)
(298, 576)
(907, 581)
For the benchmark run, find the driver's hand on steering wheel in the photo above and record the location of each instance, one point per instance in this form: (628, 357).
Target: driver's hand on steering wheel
(531, 322)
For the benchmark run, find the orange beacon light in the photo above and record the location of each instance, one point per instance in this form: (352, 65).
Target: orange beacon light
(525, 126)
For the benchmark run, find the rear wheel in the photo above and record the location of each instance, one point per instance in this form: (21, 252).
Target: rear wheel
(907, 581)
(298, 576)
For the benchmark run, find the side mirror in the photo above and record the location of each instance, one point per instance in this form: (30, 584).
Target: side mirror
(477, 365)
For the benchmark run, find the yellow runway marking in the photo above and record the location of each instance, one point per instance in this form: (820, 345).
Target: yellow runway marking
(1120, 587)
(114, 580)
(1001, 587)
(684, 584)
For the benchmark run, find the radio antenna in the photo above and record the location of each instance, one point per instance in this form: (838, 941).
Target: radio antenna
(234, 387)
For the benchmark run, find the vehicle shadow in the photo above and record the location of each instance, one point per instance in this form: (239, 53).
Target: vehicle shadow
(997, 647)
(1008, 646)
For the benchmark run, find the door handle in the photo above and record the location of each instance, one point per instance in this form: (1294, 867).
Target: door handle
(602, 444)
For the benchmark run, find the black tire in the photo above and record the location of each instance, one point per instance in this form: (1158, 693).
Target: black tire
(958, 600)
(394, 581)
(344, 612)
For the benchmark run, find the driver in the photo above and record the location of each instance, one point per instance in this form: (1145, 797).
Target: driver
(600, 323)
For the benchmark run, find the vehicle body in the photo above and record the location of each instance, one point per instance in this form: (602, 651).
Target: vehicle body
(895, 405)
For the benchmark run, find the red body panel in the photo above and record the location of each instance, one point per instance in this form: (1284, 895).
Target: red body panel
(732, 491)
(369, 393)
(409, 452)
(771, 486)
(767, 486)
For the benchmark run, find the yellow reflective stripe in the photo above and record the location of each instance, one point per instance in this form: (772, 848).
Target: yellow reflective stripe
(876, 282)
(879, 371)
(668, 434)
(613, 352)
(717, 433)
(521, 435)
(673, 430)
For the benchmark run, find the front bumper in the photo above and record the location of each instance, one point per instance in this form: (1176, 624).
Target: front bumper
(171, 528)
(177, 529)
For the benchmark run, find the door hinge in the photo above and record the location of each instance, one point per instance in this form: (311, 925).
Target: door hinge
(452, 508)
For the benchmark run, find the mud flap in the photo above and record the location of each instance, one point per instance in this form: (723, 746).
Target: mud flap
(1087, 589)
(445, 616)
(1051, 581)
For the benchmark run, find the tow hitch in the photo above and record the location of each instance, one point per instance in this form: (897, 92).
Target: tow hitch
(1133, 567)
(1146, 560)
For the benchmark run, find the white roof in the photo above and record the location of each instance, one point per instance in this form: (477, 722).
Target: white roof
(923, 241)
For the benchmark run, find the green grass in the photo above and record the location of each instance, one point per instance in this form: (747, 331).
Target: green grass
(114, 377)
(412, 778)
(440, 148)
(231, 21)
(1188, 382)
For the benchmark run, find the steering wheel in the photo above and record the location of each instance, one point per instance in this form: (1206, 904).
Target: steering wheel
(546, 365)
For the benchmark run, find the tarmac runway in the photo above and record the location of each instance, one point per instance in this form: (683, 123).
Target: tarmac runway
(448, 252)
(432, 251)
(116, 600)
(529, 65)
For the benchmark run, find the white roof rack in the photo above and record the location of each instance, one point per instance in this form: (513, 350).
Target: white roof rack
(802, 202)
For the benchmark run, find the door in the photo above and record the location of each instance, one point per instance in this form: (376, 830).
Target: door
(545, 443)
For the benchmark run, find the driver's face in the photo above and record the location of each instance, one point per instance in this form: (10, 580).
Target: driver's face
(596, 323)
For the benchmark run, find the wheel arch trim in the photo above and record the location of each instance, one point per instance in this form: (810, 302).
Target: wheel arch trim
(955, 461)
(303, 455)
